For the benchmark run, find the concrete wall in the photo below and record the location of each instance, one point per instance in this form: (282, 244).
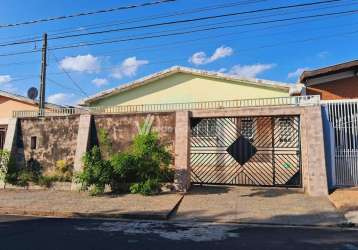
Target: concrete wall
(123, 128)
(338, 89)
(55, 139)
(65, 138)
(185, 88)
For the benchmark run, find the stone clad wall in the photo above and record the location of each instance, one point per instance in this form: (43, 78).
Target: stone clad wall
(123, 128)
(55, 138)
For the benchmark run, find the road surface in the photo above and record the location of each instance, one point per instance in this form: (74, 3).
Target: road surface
(25, 233)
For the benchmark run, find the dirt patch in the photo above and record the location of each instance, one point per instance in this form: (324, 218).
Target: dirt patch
(345, 199)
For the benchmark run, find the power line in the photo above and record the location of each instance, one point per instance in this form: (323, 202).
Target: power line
(195, 19)
(134, 20)
(135, 38)
(172, 22)
(42, 20)
(69, 76)
(241, 51)
(65, 87)
(181, 33)
(153, 17)
(173, 44)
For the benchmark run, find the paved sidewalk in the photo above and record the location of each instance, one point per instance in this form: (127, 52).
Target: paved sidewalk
(258, 205)
(346, 200)
(80, 204)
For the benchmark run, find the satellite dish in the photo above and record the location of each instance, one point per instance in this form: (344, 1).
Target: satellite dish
(32, 93)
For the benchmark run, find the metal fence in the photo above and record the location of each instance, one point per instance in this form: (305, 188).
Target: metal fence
(343, 116)
(167, 107)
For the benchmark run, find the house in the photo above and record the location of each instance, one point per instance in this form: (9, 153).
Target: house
(186, 85)
(10, 102)
(199, 89)
(338, 87)
(333, 82)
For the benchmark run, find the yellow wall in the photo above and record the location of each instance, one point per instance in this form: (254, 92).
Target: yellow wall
(8, 105)
(183, 88)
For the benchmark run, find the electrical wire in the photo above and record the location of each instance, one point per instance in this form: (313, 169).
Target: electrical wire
(42, 20)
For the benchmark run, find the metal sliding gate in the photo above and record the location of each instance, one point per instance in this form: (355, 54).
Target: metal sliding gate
(256, 151)
(343, 117)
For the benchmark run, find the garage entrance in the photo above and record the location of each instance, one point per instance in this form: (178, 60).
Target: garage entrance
(255, 151)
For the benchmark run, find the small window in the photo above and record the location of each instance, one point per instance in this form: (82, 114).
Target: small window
(247, 128)
(2, 137)
(33, 142)
(205, 128)
(285, 130)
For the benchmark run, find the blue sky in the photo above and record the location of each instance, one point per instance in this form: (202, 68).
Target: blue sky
(275, 51)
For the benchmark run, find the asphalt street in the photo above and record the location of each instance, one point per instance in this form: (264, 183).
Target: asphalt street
(27, 233)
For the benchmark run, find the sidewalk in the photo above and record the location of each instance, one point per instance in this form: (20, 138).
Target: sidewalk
(346, 200)
(258, 205)
(248, 205)
(80, 204)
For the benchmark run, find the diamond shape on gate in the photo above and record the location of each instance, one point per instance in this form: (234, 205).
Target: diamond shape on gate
(242, 150)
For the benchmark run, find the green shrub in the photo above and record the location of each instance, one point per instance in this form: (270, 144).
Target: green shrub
(124, 171)
(97, 172)
(105, 144)
(63, 172)
(146, 163)
(4, 164)
(148, 187)
(95, 190)
(151, 156)
(46, 181)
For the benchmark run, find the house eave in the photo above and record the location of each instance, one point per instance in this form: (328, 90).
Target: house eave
(178, 69)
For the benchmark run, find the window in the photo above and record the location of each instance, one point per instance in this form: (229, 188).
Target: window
(2, 137)
(205, 128)
(285, 129)
(33, 142)
(247, 128)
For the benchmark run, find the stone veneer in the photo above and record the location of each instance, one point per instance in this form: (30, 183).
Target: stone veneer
(56, 139)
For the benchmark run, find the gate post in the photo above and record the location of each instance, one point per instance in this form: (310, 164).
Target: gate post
(182, 151)
(83, 138)
(313, 155)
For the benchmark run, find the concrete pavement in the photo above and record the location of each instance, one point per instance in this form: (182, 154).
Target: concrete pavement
(249, 205)
(80, 204)
(257, 205)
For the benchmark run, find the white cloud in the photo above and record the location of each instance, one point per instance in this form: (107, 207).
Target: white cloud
(5, 83)
(99, 82)
(200, 58)
(323, 54)
(63, 99)
(250, 71)
(296, 73)
(86, 63)
(4, 79)
(128, 67)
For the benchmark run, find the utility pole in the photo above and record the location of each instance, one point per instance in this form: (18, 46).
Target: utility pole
(43, 75)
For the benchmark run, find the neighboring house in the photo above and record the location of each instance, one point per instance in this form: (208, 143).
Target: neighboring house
(10, 102)
(334, 82)
(186, 85)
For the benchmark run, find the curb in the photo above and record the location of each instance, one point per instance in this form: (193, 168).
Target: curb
(57, 214)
